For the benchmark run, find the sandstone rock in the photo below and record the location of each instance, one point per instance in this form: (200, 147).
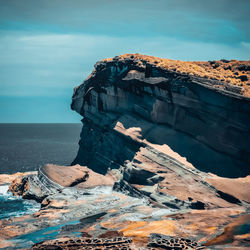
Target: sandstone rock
(238, 187)
(29, 188)
(155, 134)
(79, 176)
(182, 109)
(165, 242)
(86, 243)
(154, 122)
(233, 233)
(8, 178)
(126, 188)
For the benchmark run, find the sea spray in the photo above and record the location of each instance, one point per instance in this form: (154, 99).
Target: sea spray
(12, 206)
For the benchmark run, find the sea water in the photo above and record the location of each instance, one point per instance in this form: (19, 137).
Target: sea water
(12, 206)
(26, 147)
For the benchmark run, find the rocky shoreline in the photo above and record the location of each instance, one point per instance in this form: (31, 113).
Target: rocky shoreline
(162, 163)
(100, 210)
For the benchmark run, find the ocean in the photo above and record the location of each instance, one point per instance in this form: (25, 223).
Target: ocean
(12, 206)
(26, 147)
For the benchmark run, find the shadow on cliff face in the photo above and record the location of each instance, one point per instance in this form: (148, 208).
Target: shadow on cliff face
(207, 125)
(101, 148)
(199, 155)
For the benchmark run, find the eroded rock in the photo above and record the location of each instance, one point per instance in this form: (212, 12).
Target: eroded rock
(29, 187)
(160, 241)
(181, 108)
(153, 130)
(77, 175)
(119, 243)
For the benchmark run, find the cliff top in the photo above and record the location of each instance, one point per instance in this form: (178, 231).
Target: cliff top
(228, 72)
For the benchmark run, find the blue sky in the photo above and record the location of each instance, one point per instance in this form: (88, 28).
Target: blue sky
(49, 46)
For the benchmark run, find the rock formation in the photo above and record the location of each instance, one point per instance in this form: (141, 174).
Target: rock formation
(87, 243)
(143, 115)
(132, 100)
(159, 140)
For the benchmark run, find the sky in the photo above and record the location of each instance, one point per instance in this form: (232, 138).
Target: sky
(49, 46)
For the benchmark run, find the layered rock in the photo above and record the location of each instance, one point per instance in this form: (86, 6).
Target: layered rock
(167, 125)
(77, 176)
(130, 99)
(153, 131)
(173, 201)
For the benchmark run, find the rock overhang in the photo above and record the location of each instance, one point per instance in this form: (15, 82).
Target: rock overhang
(173, 93)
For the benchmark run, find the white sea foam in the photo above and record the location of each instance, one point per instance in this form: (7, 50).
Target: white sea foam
(21, 207)
(4, 189)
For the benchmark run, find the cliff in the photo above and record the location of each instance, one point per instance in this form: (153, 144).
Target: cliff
(156, 134)
(201, 110)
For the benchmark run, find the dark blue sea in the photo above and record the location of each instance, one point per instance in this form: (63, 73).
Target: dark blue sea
(11, 206)
(26, 147)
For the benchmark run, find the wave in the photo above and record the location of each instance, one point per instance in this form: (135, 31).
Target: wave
(12, 206)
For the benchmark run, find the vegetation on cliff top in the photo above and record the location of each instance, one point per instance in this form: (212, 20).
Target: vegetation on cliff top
(228, 72)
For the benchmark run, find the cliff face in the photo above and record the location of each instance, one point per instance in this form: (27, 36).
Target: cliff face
(133, 101)
(135, 189)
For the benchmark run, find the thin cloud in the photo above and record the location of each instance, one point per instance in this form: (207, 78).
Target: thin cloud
(223, 21)
(38, 64)
(48, 47)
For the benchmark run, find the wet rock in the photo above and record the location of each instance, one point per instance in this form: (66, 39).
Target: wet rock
(236, 233)
(29, 188)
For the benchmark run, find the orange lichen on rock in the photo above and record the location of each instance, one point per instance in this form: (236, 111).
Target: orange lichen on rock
(230, 231)
(142, 228)
(145, 228)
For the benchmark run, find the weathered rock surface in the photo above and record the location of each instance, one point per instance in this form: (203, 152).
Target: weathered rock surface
(99, 210)
(79, 176)
(119, 243)
(29, 187)
(167, 125)
(133, 109)
(160, 241)
(8, 178)
(156, 134)
(36, 186)
(153, 102)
